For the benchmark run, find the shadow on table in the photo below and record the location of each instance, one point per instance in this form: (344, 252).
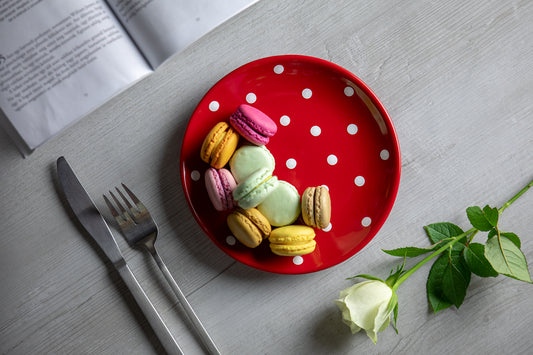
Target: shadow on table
(330, 335)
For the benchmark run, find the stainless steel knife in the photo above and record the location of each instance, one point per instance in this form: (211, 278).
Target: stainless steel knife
(91, 219)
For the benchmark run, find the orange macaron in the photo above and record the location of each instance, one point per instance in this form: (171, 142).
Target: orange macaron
(249, 226)
(219, 145)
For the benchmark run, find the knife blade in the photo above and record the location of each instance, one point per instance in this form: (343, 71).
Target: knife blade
(93, 222)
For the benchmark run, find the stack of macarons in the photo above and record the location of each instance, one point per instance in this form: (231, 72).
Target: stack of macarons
(241, 180)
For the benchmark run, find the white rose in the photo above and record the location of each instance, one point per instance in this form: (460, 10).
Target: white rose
(367, 305)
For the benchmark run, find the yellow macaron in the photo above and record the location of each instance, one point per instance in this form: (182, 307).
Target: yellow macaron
(293, 249)
(219, 145)
(292, 240)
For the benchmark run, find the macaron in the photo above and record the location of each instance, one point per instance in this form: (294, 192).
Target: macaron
(249, 226)
(219, 145)
(292, 240)
(316, 207)
(220, 185)
(255, 188)
(253, 124)
(249, 158)
(282, 206)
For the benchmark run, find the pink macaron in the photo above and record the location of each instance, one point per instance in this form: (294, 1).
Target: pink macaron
(220, 185)
(253, 124)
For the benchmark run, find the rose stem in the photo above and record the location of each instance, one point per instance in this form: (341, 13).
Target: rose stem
(455, 239)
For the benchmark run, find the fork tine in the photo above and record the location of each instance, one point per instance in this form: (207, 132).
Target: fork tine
(134, 198)
(114, 212)
(123, 211)
(121, 216)
(126, 201)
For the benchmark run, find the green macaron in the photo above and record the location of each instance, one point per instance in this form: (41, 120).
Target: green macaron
(282, 206)
(255, 188)
(250, 158)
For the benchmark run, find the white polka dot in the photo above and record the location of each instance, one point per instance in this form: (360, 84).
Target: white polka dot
(214, 106)
(365, 222)
(278, 69)
(251, 98)
(298, 260)
(359, 181)
(384, 154)
(291, 163)
(284, 120)
(315, 131)
(328, 228)
(348, 91)
(352, 129)
(332, 159)
(195, 175)
(231, 240)
(307, 93)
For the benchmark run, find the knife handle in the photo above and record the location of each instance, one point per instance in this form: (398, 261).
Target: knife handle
(156, 322)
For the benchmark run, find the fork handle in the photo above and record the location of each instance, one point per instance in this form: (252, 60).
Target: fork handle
(208, 342)
(156, 322)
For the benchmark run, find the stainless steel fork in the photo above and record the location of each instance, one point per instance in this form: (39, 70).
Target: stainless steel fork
(140, 230)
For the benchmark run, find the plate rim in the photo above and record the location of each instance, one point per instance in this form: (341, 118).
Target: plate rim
(382, 110)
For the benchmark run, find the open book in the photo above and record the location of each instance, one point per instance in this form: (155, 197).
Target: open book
(60, 59)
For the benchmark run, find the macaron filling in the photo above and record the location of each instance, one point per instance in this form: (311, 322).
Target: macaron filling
(228, 184)
(250, 158)
(212, 141)
(253, 124)
(249, 226)
(292, 240)
(316, 207)
(255, 188)
(259, 193)
(219, 185)
(219, 145)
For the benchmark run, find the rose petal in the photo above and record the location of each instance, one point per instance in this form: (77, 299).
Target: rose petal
(346, 317)
(382, 318)
(364, 304)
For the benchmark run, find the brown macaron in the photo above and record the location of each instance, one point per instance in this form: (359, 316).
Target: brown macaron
(249, 226)
(316, 207)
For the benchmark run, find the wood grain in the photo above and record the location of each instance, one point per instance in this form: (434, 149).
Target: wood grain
(457, 80)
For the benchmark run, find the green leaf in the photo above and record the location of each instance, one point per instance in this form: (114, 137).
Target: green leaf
(395, 275)
(392, 307)
(395, 318)
(439, 231)
(408, 252)
(455, 279)
(507, 258)
(474, 256)
(365, 276)
(491, 214)
(512, 237)
(436, 297)
(477, 218)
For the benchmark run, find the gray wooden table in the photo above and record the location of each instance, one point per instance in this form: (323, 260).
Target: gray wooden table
(455, 76)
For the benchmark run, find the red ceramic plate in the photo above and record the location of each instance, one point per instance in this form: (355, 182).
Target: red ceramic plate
(332, 131)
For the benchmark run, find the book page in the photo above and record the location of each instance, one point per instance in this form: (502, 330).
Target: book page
(58, 61)
(161, 28)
